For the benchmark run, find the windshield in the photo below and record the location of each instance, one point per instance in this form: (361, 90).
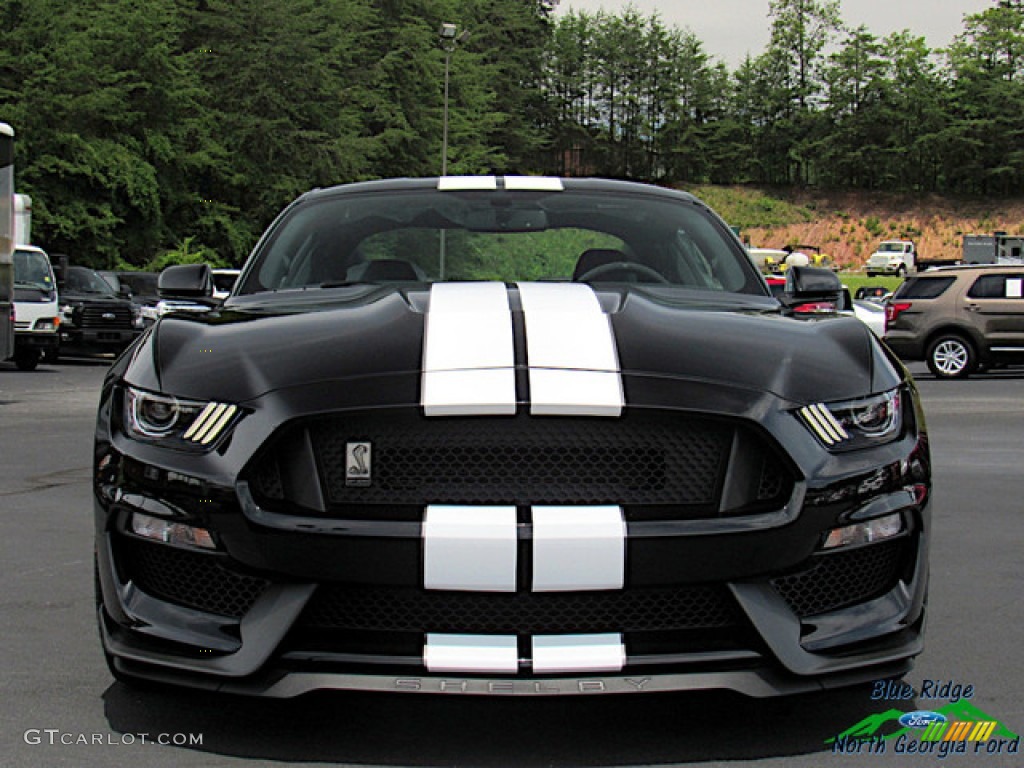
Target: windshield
(87, 281)
(891, 248)
(426, 235)
(32, 270)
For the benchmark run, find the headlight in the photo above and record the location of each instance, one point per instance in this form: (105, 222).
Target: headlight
(181, 423)
(856, 423)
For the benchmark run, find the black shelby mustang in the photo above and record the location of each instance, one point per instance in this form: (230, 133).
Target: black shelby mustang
(509, 435)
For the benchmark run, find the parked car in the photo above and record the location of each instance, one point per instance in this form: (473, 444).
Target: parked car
(871, 314)
(875, 293)
(623, 469)
(141, 284)
(957, 319)
(93, 318)
(143, 287)
(893, 257)
(36, 318)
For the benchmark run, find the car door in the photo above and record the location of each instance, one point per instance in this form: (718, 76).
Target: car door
(994, 305)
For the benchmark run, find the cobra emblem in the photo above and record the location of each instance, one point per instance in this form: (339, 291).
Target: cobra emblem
(359, 456)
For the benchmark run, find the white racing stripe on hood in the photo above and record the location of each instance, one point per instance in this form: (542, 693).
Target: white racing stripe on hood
(570, 350)
(468, 351)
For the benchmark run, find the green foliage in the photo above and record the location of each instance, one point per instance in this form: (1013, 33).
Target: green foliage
(746, 208)
(873, 225)
(186, 253)
(145, 125)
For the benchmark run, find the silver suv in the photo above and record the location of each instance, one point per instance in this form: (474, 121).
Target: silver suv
(959, 319)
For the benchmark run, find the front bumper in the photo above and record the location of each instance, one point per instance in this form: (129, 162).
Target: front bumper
(291, 603)
(95, 339)
(43, 341)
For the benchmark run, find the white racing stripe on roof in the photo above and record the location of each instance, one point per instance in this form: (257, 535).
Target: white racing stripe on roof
(534, 183)
(570, 350)
(468, 351)
(462, 183)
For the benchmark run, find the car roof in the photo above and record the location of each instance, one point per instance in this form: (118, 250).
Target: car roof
(532, 183)
(970, 268)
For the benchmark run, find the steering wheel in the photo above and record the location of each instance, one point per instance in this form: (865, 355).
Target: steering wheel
(627, 267)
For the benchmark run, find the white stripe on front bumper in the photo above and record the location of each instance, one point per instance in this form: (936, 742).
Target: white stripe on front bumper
(570, 350)
(470, 549)
(578, 653)
(468, 351)
(471, 653)
(578, 548)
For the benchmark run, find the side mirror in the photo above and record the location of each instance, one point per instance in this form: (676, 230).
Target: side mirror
(185, 281)
(807, 285)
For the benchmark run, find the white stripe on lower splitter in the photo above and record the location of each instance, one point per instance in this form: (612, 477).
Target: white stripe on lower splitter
(468, 351)
(570, 350)
(470, 549)
(578, 653)
(578, 548)
(498, 654)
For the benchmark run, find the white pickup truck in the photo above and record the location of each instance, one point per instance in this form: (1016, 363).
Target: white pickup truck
(893, 257)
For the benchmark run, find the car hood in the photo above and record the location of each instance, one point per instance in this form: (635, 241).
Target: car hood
(371, 337)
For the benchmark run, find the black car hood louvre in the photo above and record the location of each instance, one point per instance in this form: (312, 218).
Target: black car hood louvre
(242, 352)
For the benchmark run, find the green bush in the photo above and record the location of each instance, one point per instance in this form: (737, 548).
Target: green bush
(186, 253)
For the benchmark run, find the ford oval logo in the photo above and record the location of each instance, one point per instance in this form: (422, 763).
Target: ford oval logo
(109, 316)
(921, 719)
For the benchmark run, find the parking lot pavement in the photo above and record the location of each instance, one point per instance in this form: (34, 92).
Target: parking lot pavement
(59, 706)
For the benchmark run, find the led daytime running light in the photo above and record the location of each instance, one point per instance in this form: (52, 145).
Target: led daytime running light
(825, 426)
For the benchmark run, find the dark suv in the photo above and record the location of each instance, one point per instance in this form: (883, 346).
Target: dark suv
(959, 319)
(93, 318)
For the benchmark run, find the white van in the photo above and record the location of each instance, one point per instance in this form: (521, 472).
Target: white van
(36, 312)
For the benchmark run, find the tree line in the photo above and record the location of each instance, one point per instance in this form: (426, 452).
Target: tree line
(154, 125)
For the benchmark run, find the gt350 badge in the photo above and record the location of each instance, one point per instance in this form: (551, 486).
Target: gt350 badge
(358, 466)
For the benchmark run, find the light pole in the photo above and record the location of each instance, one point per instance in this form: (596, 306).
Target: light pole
(449, 39)
(447, 35)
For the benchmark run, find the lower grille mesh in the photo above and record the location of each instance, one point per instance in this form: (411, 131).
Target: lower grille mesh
(413, 610)
(842, 579)
(191, 579)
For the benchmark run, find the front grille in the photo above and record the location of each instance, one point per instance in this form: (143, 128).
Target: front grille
(192, 579)
(22, 325)
(415, 610)
(642, 458)
(842, 579)
(106, 316)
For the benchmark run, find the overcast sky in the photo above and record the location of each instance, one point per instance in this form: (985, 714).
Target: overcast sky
(730, 29)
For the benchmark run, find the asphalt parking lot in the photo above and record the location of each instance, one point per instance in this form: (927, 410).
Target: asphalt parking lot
(60, 706)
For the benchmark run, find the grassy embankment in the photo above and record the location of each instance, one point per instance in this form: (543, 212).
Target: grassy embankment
(848, 225)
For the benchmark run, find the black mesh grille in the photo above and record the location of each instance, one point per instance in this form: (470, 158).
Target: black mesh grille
(842, 579)
(414, 610)
(774, 480)
(191, 579)
(641, 458)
